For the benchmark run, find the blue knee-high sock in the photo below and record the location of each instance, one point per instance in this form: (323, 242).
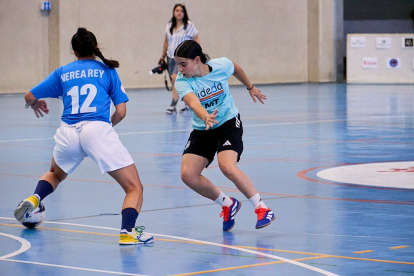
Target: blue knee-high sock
(129, 217)
(43, 189)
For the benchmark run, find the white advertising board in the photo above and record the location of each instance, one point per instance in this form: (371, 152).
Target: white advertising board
(384, 42)
(370, 63)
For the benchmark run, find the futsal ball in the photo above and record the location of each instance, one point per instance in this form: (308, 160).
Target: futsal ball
(36, 217)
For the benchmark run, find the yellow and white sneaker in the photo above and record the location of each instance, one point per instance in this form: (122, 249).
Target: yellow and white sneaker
(136, 236)
(25, 207)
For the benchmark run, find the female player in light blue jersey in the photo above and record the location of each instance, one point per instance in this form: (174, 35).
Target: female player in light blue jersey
(203, 85)
(87, 87)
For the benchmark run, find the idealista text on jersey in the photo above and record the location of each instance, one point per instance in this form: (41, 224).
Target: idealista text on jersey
(205, 92)
(78, 74)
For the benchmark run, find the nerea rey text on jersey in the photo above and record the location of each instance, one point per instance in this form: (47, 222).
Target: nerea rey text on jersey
(78, 74)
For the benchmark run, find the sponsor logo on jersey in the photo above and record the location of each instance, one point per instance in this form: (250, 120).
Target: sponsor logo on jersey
(210, 96)
(207, 93)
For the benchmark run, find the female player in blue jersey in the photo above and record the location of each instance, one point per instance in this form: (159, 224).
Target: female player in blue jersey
(203, 85)
(87, 87)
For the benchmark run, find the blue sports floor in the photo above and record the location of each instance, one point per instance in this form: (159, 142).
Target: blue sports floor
(335, 162)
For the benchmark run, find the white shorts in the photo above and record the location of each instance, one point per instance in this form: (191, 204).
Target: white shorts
(95, 139)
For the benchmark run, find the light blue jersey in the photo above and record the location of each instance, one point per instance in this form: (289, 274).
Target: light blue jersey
(212, 90)
(86, 88)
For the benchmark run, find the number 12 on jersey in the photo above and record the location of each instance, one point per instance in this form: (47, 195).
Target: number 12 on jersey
(74, 94)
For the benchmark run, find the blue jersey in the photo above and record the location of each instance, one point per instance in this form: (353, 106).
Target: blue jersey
(212, 90)
(86, 88)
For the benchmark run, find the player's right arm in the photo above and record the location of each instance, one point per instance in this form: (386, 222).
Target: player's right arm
(39, 106)
(194, 103)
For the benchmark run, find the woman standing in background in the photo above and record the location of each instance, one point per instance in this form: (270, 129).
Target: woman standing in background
(179, 29)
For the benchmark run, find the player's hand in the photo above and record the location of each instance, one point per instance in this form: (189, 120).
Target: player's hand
(256, 93)
(210, 119)
(39, 108)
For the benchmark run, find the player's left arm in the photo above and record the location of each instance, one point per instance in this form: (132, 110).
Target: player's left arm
(119, 114)
(253, 90)
(194, 103)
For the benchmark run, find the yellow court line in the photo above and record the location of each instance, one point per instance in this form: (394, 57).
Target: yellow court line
(94, 233)
(361, 252)
(399, 247)
(331, 256)
(276, 250)
(246, 266)
(371, 260)
(64, 230)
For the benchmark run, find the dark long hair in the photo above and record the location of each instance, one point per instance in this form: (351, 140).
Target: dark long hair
(191, 49)
(85, 44)
(185, 18)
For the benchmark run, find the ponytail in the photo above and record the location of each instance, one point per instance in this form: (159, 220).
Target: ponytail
(109, 62)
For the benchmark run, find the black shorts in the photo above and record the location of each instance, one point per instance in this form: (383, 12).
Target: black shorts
(206, 143)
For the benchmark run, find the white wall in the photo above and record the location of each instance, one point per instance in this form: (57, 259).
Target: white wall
(23, 36)
(325, 34)
(357, 74)
(269, 39)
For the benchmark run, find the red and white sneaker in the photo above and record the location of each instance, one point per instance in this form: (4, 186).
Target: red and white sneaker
(264, 217)
(229, 214)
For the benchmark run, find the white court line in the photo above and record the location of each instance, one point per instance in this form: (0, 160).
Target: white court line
(324, 272)
(25, 246)
(75, 268)
(183, 130)
(245, 126)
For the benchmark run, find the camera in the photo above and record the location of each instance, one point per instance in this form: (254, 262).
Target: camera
(160, 68)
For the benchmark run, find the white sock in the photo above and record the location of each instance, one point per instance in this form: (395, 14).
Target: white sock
(223, 200)
(256, 201)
